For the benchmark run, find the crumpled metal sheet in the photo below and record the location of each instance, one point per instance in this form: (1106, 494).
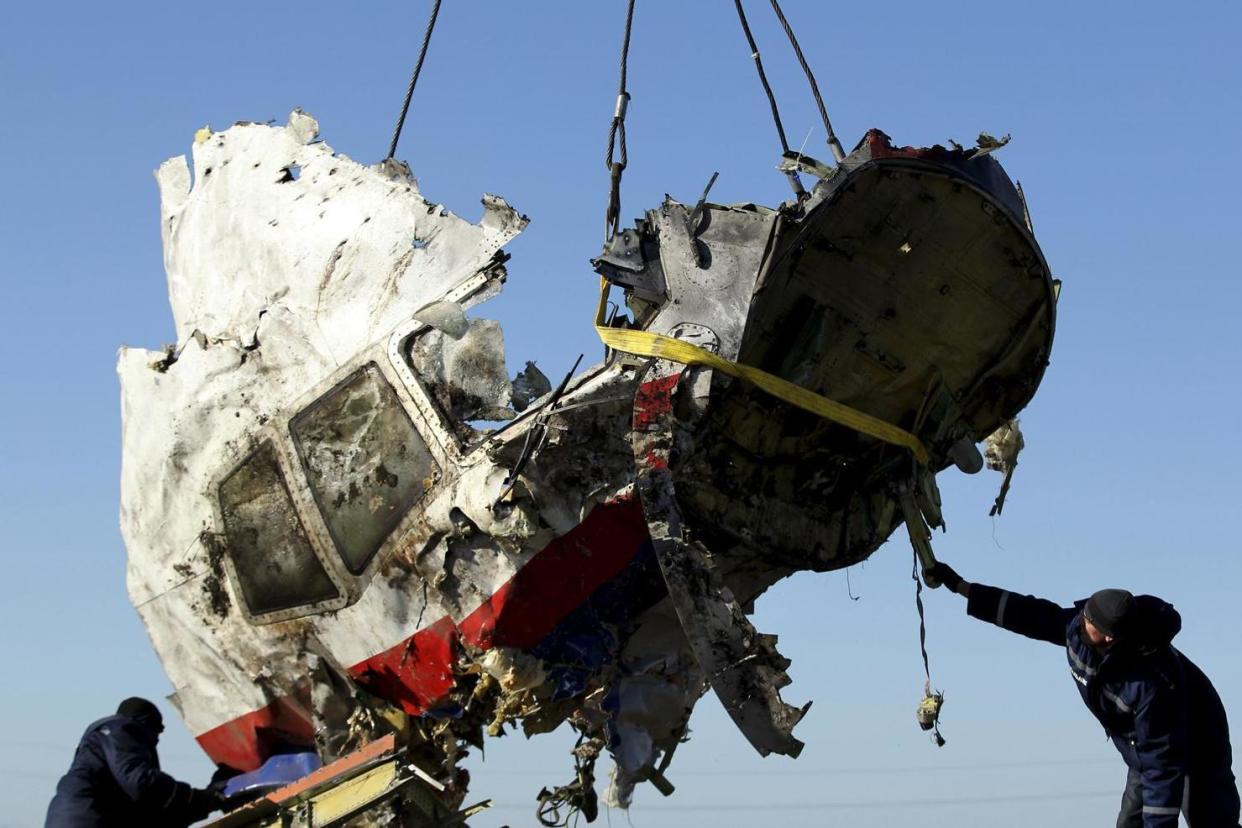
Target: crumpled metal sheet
(742, 666)
(907, 286)
(284, 258)
(452, 626)
(588, 562)
(529, 385)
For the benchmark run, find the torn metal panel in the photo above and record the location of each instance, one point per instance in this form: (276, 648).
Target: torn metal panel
(896, 289)
(529, 385)
(692, 259)
(447, 317)
(466, 373)
(273, 281)
(907, 287)
(742, 666)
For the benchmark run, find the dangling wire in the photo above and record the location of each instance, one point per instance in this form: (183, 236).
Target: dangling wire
(928, 713)
(616, 135)
(849, 588)
(833, 144)
(559, 806)
(409, 92)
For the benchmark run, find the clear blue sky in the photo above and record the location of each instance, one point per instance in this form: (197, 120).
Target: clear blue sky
(1125, 122)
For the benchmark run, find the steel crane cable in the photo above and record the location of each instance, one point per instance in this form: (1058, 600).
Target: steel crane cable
(928, 713)
(833, 143)
(616, 136)
(790, 174)
(418, 67)
(763, 78)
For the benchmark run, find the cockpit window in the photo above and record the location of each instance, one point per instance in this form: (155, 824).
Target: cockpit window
(365, 463)
(275, 564)
(462, 369)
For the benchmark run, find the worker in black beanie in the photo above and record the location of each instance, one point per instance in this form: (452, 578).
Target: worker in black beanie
(115, 778)
(1159, 709)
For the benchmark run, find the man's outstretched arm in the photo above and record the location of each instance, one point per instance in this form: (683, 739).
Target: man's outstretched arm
(1024, 614)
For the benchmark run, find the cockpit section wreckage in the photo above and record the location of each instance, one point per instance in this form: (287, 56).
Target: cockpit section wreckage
(346, 523)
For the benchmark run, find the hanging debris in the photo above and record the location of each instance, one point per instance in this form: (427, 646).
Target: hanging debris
(1002, 449)
(346, 522)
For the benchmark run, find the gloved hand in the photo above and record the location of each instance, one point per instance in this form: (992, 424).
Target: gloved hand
(204, 801)
(946, 575)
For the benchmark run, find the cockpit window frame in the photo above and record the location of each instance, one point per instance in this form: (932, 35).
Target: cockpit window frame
(468, 293)
(445, 449)
(291, 486)
(403, 525)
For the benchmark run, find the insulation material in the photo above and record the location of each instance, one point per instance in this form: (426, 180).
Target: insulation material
(1003, 446)
(1001, 453)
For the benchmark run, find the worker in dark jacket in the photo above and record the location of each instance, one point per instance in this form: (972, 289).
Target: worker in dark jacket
(115, 778)
(1160, 710)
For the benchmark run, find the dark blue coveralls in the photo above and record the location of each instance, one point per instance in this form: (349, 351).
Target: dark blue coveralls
(115, 780)
(1159, 709)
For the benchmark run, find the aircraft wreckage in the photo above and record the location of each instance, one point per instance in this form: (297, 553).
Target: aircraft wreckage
(332, 544)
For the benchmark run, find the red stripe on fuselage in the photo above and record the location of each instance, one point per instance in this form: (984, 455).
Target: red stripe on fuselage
(418, 672)
(559, 578)
(248, 740)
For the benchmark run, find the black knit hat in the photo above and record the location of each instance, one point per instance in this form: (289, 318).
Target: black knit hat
(1111, 611)
(142, 710)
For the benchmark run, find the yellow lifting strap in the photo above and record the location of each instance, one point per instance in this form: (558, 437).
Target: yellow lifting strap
(647, 344)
